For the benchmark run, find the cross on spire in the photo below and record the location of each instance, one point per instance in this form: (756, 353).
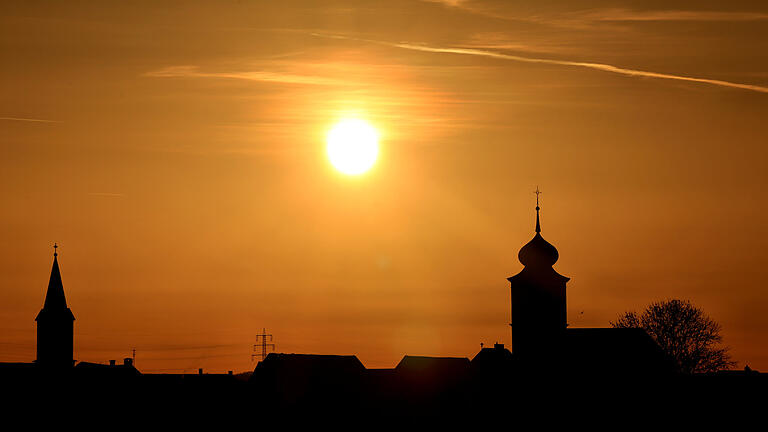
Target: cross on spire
(55, 252)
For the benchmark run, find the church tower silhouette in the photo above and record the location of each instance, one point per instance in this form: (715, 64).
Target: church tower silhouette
(55, 324)
(538, 298)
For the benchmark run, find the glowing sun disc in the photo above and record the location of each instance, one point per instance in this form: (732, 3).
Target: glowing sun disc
(352, 146)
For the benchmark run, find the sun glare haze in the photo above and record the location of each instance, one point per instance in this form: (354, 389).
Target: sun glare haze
(352, 146)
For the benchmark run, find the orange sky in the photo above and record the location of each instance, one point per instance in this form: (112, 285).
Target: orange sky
(176, 154)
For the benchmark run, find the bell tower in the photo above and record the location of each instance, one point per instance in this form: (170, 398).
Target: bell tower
(538, 298)
(55, 324)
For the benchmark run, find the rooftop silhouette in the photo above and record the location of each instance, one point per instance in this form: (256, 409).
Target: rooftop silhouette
(546, 355)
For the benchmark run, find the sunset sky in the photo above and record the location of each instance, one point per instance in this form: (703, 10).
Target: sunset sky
(176, 151)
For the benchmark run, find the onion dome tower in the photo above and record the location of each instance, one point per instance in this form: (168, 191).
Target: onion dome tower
(55, 325)
(538, 298)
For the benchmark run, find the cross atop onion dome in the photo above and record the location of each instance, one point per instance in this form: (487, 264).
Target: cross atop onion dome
(538, 253)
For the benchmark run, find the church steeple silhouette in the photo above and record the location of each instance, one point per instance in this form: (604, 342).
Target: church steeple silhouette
(538, 298)
(55, 324)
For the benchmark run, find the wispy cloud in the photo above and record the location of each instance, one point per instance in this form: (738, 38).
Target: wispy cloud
(180, 347)
(667, 15)
(587, 17)
(588, 65)
(105, 194)
(33, 120)
(448, 2)
(278, 77)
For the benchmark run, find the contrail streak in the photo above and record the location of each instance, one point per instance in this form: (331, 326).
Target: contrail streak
(596, 66)
(194, 72)
(105, 194)
(28, 120)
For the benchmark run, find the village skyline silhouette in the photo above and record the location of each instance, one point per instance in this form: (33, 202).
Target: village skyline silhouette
(327, 213)
(546, 353)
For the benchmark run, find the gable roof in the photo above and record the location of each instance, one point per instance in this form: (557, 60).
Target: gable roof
(630, 349)
(495, 357)
(103, 370)
(312, 363)
(432, 365)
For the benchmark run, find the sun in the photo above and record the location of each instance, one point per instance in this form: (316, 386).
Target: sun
(352, 146)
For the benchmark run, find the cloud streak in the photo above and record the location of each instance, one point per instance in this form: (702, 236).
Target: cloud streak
(588, 65)
(33, 120)
(264, 76)
(105, 194)
(669, 15)
(608, 14)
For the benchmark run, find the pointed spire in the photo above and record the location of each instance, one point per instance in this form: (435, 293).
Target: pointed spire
(538, 224)
(54, 297)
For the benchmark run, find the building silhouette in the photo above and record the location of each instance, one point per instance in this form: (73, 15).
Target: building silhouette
(538, 298)
(547, 362)
(542, 338)
(55, 325)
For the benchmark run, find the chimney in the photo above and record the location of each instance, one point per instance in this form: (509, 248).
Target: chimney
(112, 362)
(229, 372)
(498, 346)
(128, 361)
(200, 371)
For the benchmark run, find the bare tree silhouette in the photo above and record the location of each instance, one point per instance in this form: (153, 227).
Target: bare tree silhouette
(684, 332)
